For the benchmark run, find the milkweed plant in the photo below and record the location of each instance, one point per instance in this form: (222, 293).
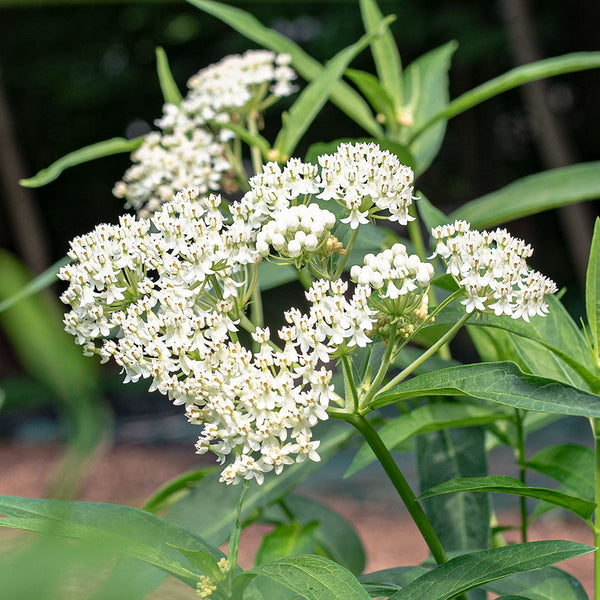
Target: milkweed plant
(219, 217)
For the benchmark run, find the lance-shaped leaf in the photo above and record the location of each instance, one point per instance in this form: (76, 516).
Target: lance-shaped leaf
(313, 577)
(343, 96)
(388, 581)
(122, 529)
(374, 92)
(509, 485)
(83, 155)
(425, 93)
(549, 67)
(469, 571)
(592, 292)
(423, 419)
(556, 331)
(170, 91)
(313, 97)
(385, 53)
(533, 194)
(546, 584)
(501, 382)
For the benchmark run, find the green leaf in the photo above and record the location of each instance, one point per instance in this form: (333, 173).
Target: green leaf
(423, 419)
(556, 331)
(335, 536)
(210, 508)
(118, 528)
(510, 485)
(271, 275)
(533, 194)
(252, 139)
(385, 53)
(546, 584)
(168, 493)
(170, 91)
(313, 97)
(388, 581)
(549, 67)
(501, 382)
(83, 155)
(430, 215)
(469, 571)
(307, 67)
(425, 94)
(444, 455)
(572, 466)
(37, 284)
(592, 292)
(313, 577)
(373, 91)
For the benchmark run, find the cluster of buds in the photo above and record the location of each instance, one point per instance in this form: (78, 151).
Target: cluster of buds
(492, 269)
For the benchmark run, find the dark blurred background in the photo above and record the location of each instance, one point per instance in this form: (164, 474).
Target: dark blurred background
(74, 74)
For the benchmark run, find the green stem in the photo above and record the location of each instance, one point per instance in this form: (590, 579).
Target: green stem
(250, 327)
(427, 354)
(234, 538)
(256, 313)
(596, 429)
(399, 482)
(342, 263)
(520, 456)
(383, 369)
(349, 382)
(254, 151)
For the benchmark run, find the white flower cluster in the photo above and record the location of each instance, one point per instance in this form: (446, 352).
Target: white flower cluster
(238, 81)
(162, 297)
(492, 269)
(366, 180)
(186, 151)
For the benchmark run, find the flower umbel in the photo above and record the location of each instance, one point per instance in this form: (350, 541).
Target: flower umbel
(492, 269)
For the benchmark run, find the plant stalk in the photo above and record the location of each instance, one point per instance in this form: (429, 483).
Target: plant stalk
(399, 482)
(520, 456)
(596, 430)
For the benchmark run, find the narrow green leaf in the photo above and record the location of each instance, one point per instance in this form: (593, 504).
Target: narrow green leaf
(388, 581)
(426, 93)
(37, 284)
(430, 214)
(501, 382)
(533, 194)
(385, 53)
(374, 92)
(118, 528)
(313, 577)
(509, 485)
(271, 275)
(546, 584)
(572, 466)
(307, 67)
(252, 139)
(549, 67)
(170, 91)
(449, 454)
(168, 493)
(469, 571)
(592, 292)
(83, 155)
(314, 96)
(423, 419)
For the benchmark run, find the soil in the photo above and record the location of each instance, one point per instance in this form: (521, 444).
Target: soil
(129, 474)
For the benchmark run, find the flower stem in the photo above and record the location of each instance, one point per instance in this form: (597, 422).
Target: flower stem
(342, 263)
(254, 151)
(427, 354)
(399, 482)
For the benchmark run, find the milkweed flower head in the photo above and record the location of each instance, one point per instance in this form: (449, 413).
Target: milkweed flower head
(190, 147)
(366, 180)
(491, 267)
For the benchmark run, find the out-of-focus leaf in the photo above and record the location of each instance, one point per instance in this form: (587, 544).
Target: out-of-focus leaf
(373, 91)
(170, 91)
(83, 155)
(592, 292)
(533, 194)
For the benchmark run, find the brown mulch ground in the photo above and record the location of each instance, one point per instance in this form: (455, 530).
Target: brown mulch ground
(129, 474)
